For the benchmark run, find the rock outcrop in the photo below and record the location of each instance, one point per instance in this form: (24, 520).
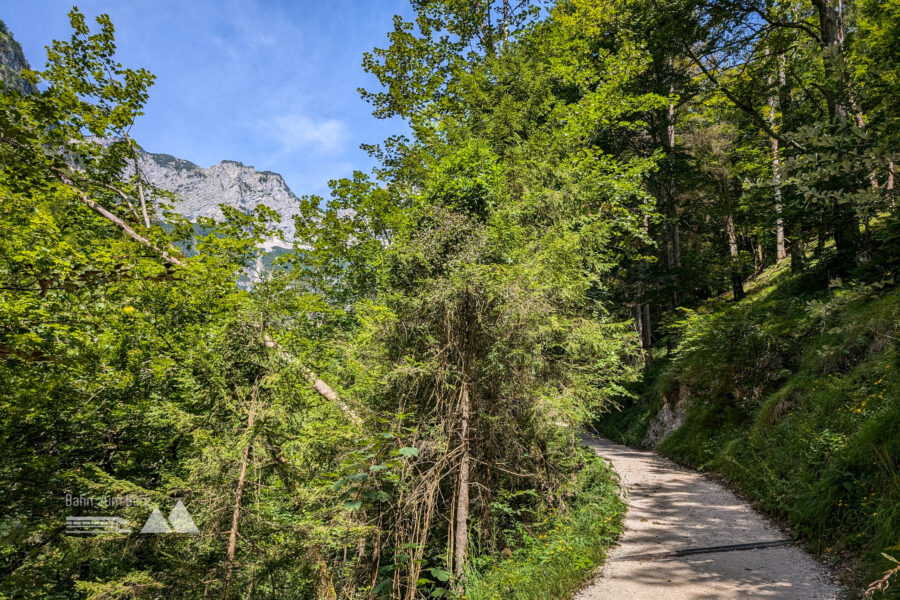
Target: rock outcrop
(12, 61)
(669, 418)
(229, 182)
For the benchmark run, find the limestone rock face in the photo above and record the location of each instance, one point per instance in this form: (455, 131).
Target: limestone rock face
(669, 418)
(201, 191)
(12, 61)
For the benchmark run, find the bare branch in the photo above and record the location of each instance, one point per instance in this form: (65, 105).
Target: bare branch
(320, 386)
(122, 225)
(752, 112)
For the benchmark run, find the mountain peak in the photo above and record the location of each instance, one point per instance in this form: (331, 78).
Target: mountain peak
(228, 182)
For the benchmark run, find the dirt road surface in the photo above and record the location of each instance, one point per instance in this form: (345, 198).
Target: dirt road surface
(687, 537)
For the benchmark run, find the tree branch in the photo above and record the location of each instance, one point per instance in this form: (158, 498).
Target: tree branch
(320, 386)
(122, 225)
(752, 112)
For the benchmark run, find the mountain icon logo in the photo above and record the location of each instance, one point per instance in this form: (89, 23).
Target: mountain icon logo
(180, 520)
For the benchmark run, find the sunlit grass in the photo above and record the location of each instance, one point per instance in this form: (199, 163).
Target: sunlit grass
(562, 551)
(795, 398)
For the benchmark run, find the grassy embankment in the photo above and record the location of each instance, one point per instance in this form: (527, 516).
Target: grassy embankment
(555, 557)
(793, 396)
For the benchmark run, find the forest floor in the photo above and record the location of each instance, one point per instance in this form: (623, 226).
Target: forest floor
(678, 522)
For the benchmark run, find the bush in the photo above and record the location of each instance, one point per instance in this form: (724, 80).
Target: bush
(562, 550)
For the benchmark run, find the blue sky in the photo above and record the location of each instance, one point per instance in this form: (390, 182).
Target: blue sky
(270, 83)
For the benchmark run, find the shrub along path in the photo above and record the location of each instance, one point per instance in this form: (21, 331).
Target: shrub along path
(687, 537)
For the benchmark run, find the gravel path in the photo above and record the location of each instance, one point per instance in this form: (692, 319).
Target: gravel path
(673, 510)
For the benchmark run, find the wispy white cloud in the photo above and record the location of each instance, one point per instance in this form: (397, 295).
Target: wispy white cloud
(300, 132)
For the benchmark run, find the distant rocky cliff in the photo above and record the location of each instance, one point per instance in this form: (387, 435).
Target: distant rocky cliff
(12, 61)
(201, 191)
(229, 182)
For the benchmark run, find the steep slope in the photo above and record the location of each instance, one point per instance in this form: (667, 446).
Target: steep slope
(12, 61)
(792, 395)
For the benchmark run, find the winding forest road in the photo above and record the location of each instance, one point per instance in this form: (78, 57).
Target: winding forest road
(687, 537)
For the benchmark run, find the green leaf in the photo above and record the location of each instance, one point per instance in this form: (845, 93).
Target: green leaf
(408, 452)
(440, 574)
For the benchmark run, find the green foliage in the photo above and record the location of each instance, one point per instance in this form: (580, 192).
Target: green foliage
(559, 552)
(809, 428)
(392, 406)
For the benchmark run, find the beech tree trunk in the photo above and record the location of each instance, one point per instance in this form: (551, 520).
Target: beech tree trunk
(830, 41)
(780, 250)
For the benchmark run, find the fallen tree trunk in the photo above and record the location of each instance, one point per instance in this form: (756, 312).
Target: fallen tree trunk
(325, 390)
(320, 386)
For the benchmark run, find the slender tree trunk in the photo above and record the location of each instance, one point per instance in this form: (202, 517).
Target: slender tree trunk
(670, 248)
(670, 122)
(642, 320)
(140, 180)
(843, 218)
(737, 283)
(670, 142)
(647, 332)
(673, 233)
(848, 88)
(759, 258)
(236, 514)
(646, 353)
(505, 21)
(830, 41)
(461, 536)
(780, 251)
(140, 185)
(889, 186)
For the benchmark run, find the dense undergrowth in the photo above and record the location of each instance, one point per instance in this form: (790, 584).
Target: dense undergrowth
(793, 395)
(556, 555)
